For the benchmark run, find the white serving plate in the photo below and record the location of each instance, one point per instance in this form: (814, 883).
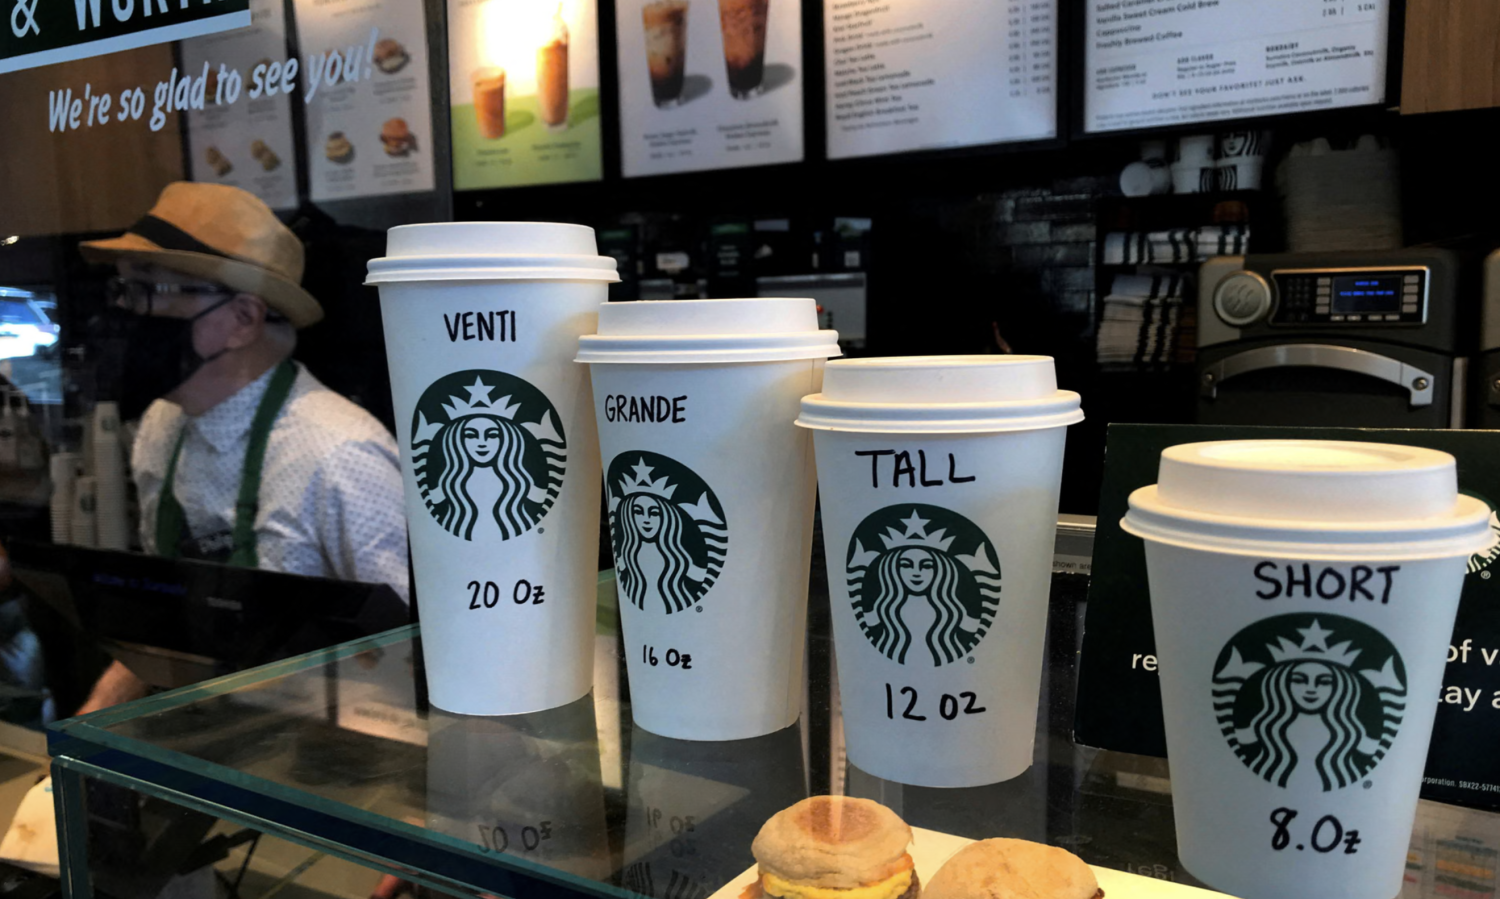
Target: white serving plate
(931, 849)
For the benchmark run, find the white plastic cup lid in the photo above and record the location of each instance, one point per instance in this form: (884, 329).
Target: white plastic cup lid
(759, 329)
(940, 394)
(1324, 498)
(491, 251)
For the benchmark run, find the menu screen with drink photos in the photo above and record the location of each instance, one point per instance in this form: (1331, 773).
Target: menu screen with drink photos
(932, 74)
(709, 84)
(523, 78)
(369, 107)
(1150, 63)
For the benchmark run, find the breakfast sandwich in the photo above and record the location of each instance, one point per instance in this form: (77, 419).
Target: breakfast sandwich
(397, 138)
(1013, 869)
(263, 154)
(338, 148)
(390, 57)
(834, 847)
(218, 161)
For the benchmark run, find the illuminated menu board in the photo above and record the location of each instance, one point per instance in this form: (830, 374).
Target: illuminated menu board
(928, 74)
(1167, 62)
(365, 85)
(247, 144)
(523, 78)
(708, 84)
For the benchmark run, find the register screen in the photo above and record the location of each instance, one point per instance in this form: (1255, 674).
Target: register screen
(1357, 294)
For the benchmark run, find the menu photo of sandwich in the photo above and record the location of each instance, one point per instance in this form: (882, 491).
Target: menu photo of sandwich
(264, 155)
(338, 148)
(218, 161)
(390, 56)
(396, 137)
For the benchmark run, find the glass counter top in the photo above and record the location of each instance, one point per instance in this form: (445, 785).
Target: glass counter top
(340, 750)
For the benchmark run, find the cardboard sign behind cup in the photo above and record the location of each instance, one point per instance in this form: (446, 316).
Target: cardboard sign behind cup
(1119, 699)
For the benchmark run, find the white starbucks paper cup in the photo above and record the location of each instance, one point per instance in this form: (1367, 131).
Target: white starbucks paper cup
(498, 452)
(1303, 595)
(710, 490)
(939, 479)
(1193, 178)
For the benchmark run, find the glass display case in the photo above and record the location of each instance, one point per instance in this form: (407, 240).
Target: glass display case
(339, 751)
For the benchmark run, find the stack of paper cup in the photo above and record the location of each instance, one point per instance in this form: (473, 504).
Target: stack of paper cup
(82, 522)
(1240, 159)
(710, 492)
(1303, 595)
(109, 472)
(1193, 170)
(64, 470)
(939, 479)
(499, 453)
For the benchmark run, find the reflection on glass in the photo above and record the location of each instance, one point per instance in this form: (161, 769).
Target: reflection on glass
(695, 807)
(524, 785)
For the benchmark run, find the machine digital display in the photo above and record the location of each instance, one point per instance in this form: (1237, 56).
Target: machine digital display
(1359, 294)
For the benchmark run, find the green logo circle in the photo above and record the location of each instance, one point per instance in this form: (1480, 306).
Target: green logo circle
(488, 450)
(667, 528)
(919, 572)
(1312, 696)
(1483, 559)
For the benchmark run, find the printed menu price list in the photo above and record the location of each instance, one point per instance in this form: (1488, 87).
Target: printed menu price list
(1163, 62)
(901, 74)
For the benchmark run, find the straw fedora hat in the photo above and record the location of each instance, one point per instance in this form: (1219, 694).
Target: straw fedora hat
(221, 234)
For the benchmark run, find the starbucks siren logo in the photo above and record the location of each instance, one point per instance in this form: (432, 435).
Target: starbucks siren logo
(489, 452)
(668, 530)
(1482, 559)
(922, 572)
(1311, 696)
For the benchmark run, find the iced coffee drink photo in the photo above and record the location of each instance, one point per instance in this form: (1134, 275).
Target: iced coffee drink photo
(744, 26)
(552, 75)
(489, 102)
(666, 48)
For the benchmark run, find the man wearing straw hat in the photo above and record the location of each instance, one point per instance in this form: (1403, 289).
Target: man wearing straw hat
(245, 457)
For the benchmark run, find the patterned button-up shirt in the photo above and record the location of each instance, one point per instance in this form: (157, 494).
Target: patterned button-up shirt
(330, 494)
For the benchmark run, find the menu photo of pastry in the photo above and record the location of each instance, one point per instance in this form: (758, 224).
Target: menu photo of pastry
(396, 137)
(264, 155)
(338, 148)
(390, 56)
(218, 161)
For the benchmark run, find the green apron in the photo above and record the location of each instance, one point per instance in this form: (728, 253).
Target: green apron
(173, 538)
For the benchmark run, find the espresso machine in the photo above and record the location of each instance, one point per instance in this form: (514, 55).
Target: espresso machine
(1486, 392)
(1331, 339)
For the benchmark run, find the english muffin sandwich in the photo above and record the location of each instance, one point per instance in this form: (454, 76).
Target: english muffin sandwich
(1013, 869)
(833, 847)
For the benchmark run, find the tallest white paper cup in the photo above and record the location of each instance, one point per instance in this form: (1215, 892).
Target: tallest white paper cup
(939, 478)
(499, 453)
(1303, 595)
(710, 491)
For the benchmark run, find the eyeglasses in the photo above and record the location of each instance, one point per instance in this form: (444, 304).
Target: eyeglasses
(139, 297)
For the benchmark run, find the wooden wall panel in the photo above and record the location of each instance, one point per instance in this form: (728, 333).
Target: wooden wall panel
(1452, 55)
(92, 179)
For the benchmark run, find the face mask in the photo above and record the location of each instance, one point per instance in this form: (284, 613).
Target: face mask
(159, 357)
